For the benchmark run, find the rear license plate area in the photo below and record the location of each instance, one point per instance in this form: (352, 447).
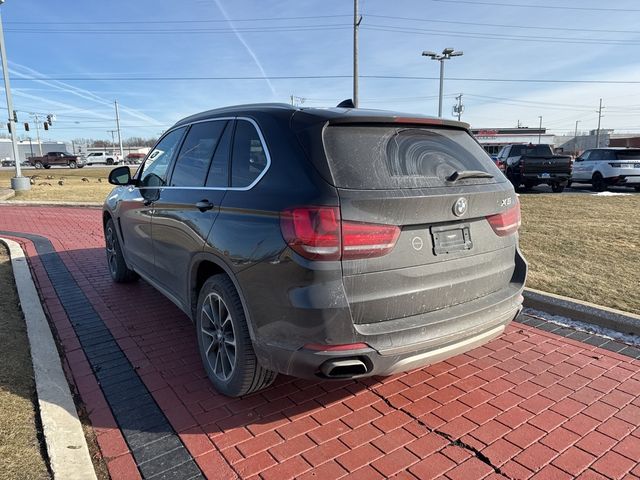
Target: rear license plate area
(448, 239)
(544, 175)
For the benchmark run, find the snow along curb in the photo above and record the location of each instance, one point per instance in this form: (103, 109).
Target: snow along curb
(66, 445)
(611, 318)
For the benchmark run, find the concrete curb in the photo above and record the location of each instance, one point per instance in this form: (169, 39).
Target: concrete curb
(618, 320)
(66, 445)
(6, 193)
(51, 203)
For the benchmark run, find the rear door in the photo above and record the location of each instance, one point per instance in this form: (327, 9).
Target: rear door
(447, 252)
(188, 206)
(136, 207)
(581, 169)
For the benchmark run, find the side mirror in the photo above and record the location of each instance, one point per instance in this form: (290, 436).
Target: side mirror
(120, 176)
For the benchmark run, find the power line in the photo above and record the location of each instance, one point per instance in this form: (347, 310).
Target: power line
(323, 77)
(502, 25)
(497, 36)
(114, 22)
(288, 28)
(554, 7)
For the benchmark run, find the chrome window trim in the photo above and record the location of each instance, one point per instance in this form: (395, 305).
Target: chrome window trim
(238, 189)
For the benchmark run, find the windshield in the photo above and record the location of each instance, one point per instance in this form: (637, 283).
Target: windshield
(531, 150)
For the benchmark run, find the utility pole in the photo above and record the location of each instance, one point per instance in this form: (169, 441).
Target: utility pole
(37, 121)
(356, 24)
(459, 108)
(18, 182)
(540, 129)
(575, 138)
(118, 127)
(113, 141)
(598, 130)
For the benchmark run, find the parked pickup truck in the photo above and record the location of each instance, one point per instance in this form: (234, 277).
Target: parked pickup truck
(531, 165)
(52, 159)
(103, 157)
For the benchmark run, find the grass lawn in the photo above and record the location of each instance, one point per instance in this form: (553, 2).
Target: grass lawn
(74, 189)
(20, 452)
(584, 246)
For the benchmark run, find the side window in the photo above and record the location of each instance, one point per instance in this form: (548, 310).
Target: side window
(195, 155)
(219, 171)
(585, 155)
(595, 155)
(608, 155)
(154, 170)
(249, 157)
(516, 150)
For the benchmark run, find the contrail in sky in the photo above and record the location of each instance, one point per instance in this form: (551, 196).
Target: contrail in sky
(246, 45)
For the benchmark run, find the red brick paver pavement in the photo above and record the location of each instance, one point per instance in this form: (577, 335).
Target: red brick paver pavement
(529, 404)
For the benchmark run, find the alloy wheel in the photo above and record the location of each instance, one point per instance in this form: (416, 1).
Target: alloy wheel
(110, 241)
(218, 336)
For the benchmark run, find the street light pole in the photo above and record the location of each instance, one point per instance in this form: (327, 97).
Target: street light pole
(446, 54)
(539, 129)
(18, 182)
(441, 88)
(575, 138)
(118, 127)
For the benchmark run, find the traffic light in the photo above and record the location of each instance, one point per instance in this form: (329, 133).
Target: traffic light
(50, 119)
(15, 116)
(9, 126)
(46, 126)
(26, 126)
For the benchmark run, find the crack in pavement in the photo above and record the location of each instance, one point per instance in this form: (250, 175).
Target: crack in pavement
(456, 442)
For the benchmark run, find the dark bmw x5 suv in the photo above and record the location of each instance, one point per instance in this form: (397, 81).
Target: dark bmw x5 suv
(320, 243)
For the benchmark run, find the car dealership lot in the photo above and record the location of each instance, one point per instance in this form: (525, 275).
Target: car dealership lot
(529, 402)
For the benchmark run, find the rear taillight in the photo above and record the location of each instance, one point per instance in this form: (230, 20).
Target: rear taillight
(318, 233)
(507, 222)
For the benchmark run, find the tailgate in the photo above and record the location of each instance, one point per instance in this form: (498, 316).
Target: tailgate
(439, 260)
(447, 252)
(551, 165)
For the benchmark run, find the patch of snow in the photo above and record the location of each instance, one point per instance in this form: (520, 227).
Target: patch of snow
(627, 338)
(610, 194)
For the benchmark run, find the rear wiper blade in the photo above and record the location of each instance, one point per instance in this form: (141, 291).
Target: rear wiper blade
(457, 175)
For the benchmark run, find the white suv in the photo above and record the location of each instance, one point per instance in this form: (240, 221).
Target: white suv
(604, 167)
(103, 157)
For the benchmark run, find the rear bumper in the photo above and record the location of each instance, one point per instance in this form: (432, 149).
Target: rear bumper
(536, 178)
(392, 349)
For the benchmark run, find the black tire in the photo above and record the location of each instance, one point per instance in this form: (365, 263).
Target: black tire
(557, 187)
(243, 374)
(38, 165)
(598, 183)
(569, 184)
(637, 189)
(118, 269)
(73, 164)
(109, 161)
(47, 167)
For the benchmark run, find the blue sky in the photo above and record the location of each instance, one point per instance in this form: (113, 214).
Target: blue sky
(222, 38)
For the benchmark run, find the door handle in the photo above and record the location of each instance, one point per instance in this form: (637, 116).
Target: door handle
(204, 205)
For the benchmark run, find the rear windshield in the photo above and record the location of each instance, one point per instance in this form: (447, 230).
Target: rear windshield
(530, 150)
(366, 157)
(628, 154)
